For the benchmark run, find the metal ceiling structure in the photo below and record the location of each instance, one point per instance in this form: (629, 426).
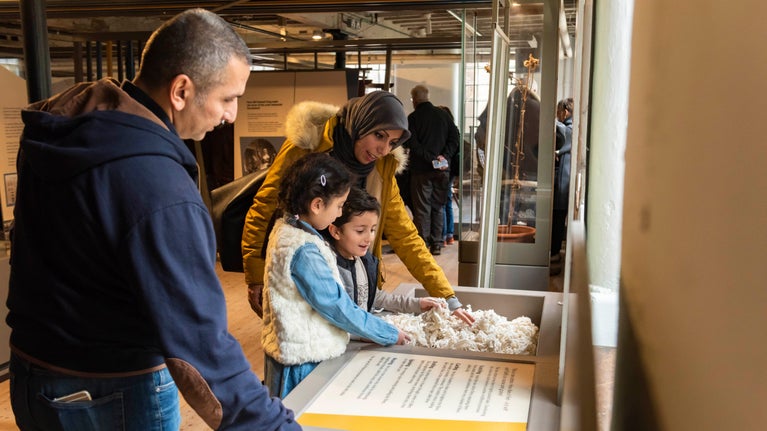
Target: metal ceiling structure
(279, 32)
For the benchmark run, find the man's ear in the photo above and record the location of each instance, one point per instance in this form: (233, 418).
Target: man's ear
(334, 231)
(181, 91)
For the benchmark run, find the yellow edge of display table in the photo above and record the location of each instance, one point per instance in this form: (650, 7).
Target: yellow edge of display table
(377, 423)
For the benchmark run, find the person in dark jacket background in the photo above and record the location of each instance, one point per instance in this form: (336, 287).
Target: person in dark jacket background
(114, 300)
(433, 141)
(564, 133)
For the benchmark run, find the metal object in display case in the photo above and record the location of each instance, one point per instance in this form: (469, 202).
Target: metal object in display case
(562, 394)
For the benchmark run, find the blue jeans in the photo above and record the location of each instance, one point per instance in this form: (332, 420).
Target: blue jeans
(449, 222)
(147, 402)
(281, 379)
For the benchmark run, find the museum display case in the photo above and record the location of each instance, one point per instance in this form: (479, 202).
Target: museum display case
(395, 397)
(381, 388)
(505, 200)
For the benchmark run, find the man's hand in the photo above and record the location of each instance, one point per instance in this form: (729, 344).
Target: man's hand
(442, 159)
(464, 315)
(255, 297)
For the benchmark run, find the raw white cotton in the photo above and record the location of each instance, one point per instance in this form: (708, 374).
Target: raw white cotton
(490, 332)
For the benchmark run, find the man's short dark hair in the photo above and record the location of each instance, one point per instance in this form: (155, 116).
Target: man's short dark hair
(195, 42)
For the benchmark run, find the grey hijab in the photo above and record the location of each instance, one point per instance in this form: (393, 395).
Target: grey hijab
(379, 110)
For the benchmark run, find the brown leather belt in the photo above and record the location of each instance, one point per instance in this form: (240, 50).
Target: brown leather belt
(54, 368)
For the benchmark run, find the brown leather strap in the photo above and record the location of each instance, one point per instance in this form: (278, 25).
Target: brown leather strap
(50, 367)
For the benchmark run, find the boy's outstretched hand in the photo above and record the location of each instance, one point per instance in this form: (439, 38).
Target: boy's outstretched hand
(428, 302)
(464, 315)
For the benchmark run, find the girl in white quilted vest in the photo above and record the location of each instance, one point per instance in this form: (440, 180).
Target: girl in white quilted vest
(307, 314)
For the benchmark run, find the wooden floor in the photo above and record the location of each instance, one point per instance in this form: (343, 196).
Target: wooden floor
(246, 327)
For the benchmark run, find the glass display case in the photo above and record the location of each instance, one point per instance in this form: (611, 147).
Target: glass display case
(505, 200)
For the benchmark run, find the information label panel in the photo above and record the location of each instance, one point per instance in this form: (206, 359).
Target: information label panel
(378, 390)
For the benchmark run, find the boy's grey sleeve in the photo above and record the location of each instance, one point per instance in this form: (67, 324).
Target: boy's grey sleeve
(397, 303)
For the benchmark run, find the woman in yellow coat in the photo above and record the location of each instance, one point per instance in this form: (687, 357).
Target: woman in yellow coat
(366, 134)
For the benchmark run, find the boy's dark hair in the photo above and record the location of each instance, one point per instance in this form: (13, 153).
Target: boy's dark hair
(358, 202)
(315, 175)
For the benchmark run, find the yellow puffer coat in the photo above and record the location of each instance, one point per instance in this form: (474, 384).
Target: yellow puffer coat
(309, 128)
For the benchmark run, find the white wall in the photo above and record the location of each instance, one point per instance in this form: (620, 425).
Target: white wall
(565, 81)
(612, 55)
(441, 78)
(695, 214)
(607, 142)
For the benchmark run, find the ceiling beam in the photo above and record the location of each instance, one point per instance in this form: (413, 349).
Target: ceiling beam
(93, 9)
(363, 44)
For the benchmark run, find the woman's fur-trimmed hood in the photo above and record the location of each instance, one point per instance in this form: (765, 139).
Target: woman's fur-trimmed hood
(305, 124)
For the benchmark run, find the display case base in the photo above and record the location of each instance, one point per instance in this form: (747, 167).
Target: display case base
(543, 308)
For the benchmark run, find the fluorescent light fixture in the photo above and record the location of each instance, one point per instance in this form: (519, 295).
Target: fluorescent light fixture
(317, 35)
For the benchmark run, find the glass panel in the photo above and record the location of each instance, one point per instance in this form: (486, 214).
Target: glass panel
(495, 114)
(525, 205)
(476, 87)
(522, 136)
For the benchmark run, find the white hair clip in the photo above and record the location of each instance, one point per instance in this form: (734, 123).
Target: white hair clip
(323, 180)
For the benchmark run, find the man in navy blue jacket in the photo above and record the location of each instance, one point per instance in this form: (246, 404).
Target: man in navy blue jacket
(114, 299)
